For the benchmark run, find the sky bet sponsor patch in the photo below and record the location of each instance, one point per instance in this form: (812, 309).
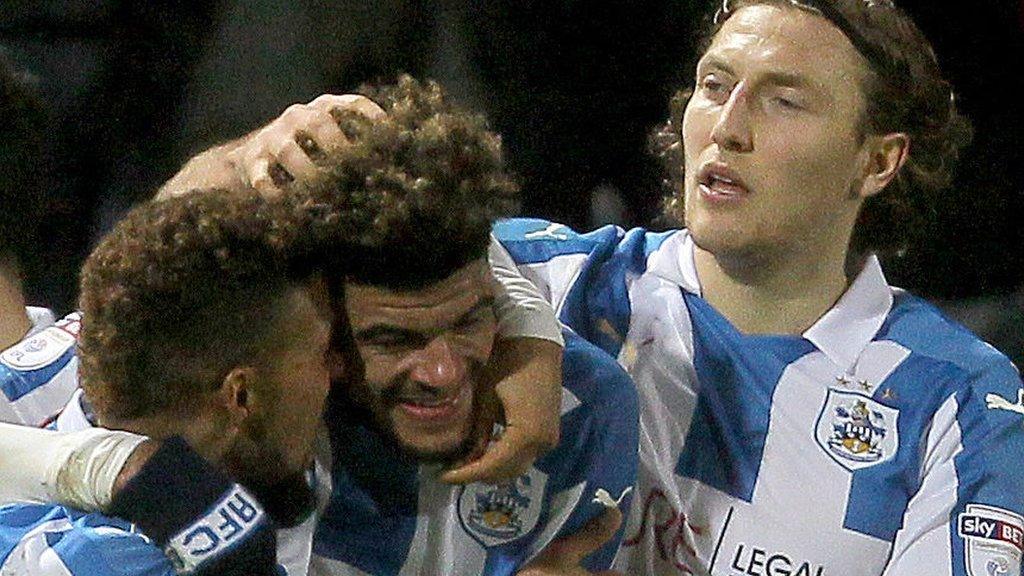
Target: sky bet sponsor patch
(993, 540)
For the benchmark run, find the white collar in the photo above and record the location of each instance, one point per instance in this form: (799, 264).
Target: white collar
(841, 333)
(847, 328)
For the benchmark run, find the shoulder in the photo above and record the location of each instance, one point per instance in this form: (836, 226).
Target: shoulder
(935, 338)
(594, 377)
(44, 539)
(38, 374)
(532, 240)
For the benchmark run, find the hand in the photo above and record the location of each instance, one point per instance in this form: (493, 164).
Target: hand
(529, 388)
(563, 557)
(293, 146)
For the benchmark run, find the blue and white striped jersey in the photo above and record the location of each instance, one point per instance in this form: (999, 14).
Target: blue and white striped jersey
(49, 540)
(38, 374)
(886, 439)
(389, 515)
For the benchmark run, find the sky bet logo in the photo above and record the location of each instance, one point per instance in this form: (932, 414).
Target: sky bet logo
(979, 526)
(228, 521)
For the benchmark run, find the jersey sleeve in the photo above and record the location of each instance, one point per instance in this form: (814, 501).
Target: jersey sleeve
(967, 518)
(39, 374)
(520, 308)
(37, 540)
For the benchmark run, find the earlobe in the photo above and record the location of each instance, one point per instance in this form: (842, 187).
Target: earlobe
(888, 155)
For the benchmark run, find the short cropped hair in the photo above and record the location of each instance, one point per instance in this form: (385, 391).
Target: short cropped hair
(23, 122)
(416, 192)
(179, 293)
(905, 92)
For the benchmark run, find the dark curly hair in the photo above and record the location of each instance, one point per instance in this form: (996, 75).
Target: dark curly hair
(180, 292)
(905, 92)
(23, 121)
(413, 198)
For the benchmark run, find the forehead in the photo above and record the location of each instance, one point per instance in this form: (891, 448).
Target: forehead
(450, 297)
(787, 40)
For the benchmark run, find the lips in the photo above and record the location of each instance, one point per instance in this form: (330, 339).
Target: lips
(433, 410)
(718, 182)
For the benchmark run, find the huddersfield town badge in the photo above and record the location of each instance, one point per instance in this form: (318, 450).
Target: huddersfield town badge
(856, 431)
(495, 514)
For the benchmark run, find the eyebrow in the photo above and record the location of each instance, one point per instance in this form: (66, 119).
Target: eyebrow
(384, 329)
(779, 78)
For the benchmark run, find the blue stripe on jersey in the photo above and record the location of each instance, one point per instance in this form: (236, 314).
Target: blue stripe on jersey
(599, 446)
(879, 494)
(370, 519)
(91, 545)
(603, 313)
(988, 467)
(737, 375)
(16, 383)
(531, 240)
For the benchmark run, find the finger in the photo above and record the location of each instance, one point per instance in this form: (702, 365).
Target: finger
(493, 466)
(571, 550)
(260, 175)
(353, 102)
(320, 137)
(294, 161)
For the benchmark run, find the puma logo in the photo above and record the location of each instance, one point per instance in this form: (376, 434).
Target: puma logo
(552, 231)
(605, 499)
(997, 402)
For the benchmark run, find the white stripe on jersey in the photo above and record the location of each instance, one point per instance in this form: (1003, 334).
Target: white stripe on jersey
(33, 555)
(926, 521)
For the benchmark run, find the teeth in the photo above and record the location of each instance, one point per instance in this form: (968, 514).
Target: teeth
(726, 180)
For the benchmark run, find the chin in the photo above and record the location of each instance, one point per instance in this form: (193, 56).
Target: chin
(441, 451)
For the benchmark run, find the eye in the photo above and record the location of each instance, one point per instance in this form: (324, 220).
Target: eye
(714, 88)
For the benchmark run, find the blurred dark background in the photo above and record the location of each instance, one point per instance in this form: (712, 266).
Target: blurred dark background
(136, 87)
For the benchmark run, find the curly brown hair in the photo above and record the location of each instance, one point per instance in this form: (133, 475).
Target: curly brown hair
(905, 92)
(413, 197)
(179, 293)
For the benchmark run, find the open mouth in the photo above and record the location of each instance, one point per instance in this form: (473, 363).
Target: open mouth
(719, 182)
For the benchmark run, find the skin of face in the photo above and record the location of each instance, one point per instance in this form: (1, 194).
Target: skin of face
(280, 435)
(424, 351)
(773, 154)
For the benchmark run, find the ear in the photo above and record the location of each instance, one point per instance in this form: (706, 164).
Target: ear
(886, 155)
(238, 393)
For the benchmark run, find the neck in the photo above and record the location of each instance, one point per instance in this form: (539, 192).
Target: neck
(14, 322)
(776, 294)
(207, 439)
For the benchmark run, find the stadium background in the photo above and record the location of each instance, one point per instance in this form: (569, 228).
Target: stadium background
(135, 87)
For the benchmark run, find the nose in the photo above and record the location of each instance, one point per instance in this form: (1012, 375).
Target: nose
(732, 131)
(438, 365)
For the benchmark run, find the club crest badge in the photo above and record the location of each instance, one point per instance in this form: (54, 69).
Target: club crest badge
(39, 350)
(856, 431)
(495, 514)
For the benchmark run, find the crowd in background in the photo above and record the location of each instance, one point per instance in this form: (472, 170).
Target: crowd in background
(133, 88)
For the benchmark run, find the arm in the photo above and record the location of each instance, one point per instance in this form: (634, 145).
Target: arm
(968, 514)
(527, 364)
(593, 471)
(170, 492)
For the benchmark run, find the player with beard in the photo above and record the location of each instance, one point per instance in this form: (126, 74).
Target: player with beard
(205, 329)
(480, 168)
(417, 295)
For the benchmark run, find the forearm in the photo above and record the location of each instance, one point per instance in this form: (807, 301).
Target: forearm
(73, 468)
